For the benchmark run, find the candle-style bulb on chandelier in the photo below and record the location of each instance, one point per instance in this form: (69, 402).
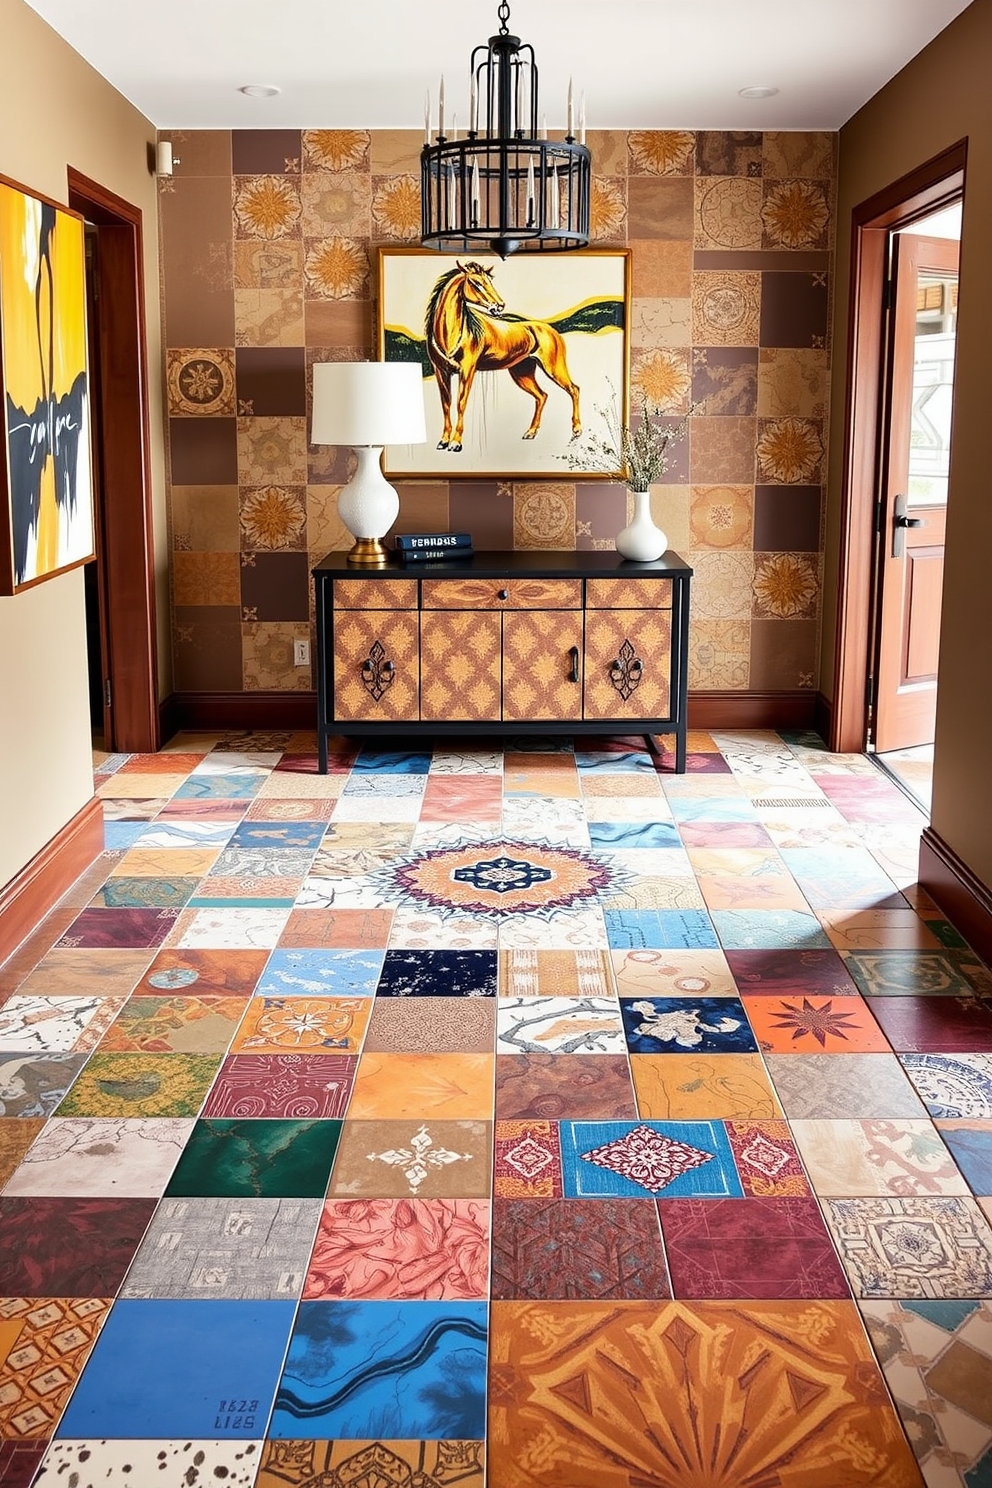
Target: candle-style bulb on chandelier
(504, 185)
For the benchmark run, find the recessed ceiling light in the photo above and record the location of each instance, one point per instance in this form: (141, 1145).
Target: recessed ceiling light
(259, 90)
(759, 92)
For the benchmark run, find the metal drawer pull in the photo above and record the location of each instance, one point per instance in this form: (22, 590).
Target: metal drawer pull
(503, 594)
(626, 671)
(378, 674)
(573, 656)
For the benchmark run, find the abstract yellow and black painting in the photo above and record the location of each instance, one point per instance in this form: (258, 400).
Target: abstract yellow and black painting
(46, 523)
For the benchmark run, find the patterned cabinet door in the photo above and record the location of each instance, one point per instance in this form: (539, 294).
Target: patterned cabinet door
(628, 664)
(460, 668)
(542, 665)
(376, 666)
(375, 594)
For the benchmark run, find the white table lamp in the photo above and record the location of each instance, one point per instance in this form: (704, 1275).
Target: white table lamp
(368, 405)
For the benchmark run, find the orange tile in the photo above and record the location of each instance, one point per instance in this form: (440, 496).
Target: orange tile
(161, 764)
(605, 1395)
(542, 783)
(703, 1087)
(877, 930)
(767, 891)
(166, 862)
(44, 1343)
(303, 1025)
(453, 1086)
(815, 1025)
(294, 1464)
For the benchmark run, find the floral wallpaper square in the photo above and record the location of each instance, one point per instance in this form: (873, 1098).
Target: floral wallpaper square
(268, 264)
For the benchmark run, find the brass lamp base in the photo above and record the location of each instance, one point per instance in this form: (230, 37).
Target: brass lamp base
(369, 552)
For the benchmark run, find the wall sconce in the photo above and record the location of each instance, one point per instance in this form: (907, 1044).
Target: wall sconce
(164, 158)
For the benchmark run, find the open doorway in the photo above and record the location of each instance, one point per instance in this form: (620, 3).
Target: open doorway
(897, 433)
(122, 583)
(913, 491)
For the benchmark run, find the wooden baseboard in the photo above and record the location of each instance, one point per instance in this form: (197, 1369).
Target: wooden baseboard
(42, 882)
(962, 896)
(168, 717)
(752, 710)
(298, 710)
(238, 710)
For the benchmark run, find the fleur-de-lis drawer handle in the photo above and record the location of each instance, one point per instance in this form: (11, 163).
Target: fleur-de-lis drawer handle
(378, 674)
(626, 672)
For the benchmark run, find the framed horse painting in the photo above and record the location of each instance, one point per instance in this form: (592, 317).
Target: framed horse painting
(518, 355)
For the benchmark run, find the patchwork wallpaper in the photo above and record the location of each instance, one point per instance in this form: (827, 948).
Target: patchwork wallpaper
(268, 265)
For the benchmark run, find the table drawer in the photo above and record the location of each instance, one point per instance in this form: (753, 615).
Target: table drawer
(375, 594)
(502, 594)
(629, 594)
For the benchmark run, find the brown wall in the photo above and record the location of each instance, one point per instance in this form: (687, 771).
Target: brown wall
(56, 111)
(268, 244)
(942, 96)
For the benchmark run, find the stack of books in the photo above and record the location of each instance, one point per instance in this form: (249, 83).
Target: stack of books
(428, 547)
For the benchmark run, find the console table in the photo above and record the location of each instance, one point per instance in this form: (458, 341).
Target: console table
(505, 643)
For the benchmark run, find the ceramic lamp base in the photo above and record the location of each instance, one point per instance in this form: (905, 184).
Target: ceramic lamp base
(368, 506)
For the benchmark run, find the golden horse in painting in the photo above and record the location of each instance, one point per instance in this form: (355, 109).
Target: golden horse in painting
(467, 333)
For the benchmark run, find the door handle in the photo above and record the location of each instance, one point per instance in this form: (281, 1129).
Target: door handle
(900, 522)
(573, 656)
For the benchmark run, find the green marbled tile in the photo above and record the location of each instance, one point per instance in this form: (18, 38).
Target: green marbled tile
(256, 1159)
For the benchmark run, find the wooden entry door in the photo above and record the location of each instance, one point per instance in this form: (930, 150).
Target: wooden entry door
(913, 506)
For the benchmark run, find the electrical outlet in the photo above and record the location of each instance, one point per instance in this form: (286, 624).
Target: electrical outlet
(301, 653)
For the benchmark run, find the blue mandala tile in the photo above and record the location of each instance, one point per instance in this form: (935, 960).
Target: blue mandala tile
(634, 834)
(952, 1085)
(769, 930)
(676, 1025)
(659, 929)
(438, 974)
(609, 763)
(321, 974)
(638, 1159)
(278, 835)
(181, 1369)
(221, 787)
(712, 809)
(392, 762)
(119, 835)
(384, 1370)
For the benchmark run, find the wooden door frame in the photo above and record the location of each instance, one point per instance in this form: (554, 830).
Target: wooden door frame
(923, 191)
(128, 552)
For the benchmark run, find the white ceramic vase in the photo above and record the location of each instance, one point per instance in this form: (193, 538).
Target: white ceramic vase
(641, 541)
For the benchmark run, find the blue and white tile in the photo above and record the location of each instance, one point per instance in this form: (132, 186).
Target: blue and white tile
(672, 929)
(176, 831)
(122, 835)
(439, 973)
(676, 1025)
(634, 836)
(301, 837)
(648, 1159)
(613, 762)
(211, 787)
(712, 809)
(384, 785)
(340, 893)
(391, 762)
(290, 973)
(952, 1085)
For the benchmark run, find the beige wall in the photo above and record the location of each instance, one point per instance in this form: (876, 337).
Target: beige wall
(940, 97)
(56, 111)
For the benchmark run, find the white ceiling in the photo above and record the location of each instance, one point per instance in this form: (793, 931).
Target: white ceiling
(648, 64)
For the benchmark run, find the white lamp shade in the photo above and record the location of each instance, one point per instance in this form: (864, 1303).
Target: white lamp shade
(373, 403)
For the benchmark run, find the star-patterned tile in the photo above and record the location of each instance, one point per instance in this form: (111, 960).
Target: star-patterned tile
(810, 1025)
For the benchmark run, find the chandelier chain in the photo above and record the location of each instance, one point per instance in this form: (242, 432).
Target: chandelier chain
(504, 18)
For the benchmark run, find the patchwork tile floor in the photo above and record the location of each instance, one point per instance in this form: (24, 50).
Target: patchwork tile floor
(642, 1119)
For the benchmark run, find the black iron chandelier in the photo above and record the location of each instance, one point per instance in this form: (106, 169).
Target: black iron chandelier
(504, 184)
